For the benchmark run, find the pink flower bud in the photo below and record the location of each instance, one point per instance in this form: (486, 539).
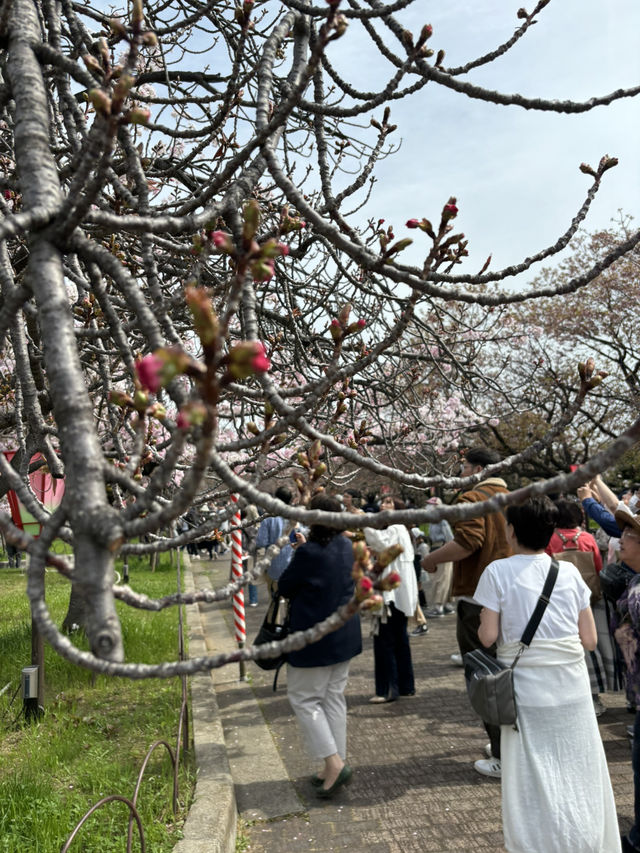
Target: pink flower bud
(192, 414)
(221, 240)
(262, 270)
(149, 372)
(246, 359)
(138, 115)
(364, 588)
(413, 223)
(158, 369)
(8, 194)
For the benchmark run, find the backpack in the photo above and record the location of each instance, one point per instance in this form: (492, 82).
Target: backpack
(583, 561)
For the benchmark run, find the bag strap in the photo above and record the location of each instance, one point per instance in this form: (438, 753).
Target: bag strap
(541, 606)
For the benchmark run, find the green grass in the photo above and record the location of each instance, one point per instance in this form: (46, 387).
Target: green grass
(94, 734)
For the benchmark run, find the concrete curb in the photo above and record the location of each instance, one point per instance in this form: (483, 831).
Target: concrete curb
(211, 824)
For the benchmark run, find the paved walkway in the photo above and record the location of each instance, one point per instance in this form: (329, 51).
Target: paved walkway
(414, 787)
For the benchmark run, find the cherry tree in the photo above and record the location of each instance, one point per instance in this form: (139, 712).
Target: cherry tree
(194, 303)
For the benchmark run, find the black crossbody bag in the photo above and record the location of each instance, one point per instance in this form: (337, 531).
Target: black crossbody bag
(489, 682)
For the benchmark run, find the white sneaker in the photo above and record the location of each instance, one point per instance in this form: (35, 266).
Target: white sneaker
(457, 660)
(489, 767)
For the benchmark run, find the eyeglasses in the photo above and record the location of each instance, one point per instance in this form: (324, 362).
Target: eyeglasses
(627, 534)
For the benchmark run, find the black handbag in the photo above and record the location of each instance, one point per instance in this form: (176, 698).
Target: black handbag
(275, 627)
(489, 682)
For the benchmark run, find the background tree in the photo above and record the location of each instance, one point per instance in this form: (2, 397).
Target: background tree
(191, 302)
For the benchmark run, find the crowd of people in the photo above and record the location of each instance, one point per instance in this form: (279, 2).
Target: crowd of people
(489, 571)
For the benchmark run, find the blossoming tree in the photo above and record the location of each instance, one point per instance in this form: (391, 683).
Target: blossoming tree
(192, 301)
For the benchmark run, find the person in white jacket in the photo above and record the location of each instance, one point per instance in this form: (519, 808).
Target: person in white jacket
(391, 650)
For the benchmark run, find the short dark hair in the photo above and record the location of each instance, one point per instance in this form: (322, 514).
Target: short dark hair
(283, 494)
(319, 532)
(569, 514)
(481, 455)
(533, 522)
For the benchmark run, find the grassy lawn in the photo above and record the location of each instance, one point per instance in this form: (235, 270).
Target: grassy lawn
(93, 737)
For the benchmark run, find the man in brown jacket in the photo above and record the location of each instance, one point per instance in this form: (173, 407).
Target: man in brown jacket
(476, 543)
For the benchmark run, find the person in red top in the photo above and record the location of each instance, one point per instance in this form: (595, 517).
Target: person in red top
(569, 533)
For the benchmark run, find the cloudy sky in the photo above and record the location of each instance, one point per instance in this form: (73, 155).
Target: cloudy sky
(514, 172)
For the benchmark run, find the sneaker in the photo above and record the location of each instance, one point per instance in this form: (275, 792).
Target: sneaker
(487, 751)
(420, 631)
(489, 767)
(449, 609)
(457, 660)
(434, 612)
(598, 705)
(253, 604)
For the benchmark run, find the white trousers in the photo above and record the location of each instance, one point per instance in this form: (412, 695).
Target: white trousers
(316, 694)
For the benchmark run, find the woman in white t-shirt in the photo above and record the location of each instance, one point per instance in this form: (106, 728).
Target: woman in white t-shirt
(556, 791)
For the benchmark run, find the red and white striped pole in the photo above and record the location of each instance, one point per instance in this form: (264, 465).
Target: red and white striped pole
(237, 572)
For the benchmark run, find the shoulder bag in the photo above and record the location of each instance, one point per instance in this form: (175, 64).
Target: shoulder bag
(489, 682)
(275, 627)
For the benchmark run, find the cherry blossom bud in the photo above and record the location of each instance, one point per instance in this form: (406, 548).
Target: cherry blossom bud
(246, 359)
(117, 27)
(336, 329)
(192, 414)
(364, 588)
(150, 39)
(374, 602)
(158, 369)
(253, 428)
(101, 101)
(319, 471)
(222, 241)
(119, 398)
(262, 270)
(303, 459)
(389, 555)
(140, 401)
(360, 551)
(158, 411)
(139, 115)
(251, 215)
(413, 223)
(607, 163)
(205, 320)
(92, 63)
(587, 170)
(450, 210)
(273, 249)
(390, 581)
(343, 314)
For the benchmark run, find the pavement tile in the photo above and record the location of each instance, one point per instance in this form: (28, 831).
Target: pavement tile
(414, 786)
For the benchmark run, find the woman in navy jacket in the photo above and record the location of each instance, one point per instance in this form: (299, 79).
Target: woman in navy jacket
(317, 581)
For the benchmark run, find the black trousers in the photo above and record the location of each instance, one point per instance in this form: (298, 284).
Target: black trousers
(467, 635)
(392, 657)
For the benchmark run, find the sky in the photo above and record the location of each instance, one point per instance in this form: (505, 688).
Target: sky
(515, 173)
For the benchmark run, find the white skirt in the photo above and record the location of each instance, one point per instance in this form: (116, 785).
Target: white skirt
(556, 791)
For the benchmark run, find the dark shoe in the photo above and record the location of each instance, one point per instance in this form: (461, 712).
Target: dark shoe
(316, 781)
(627, 846)
(410, 693)
(420, 631)
(344, 777)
